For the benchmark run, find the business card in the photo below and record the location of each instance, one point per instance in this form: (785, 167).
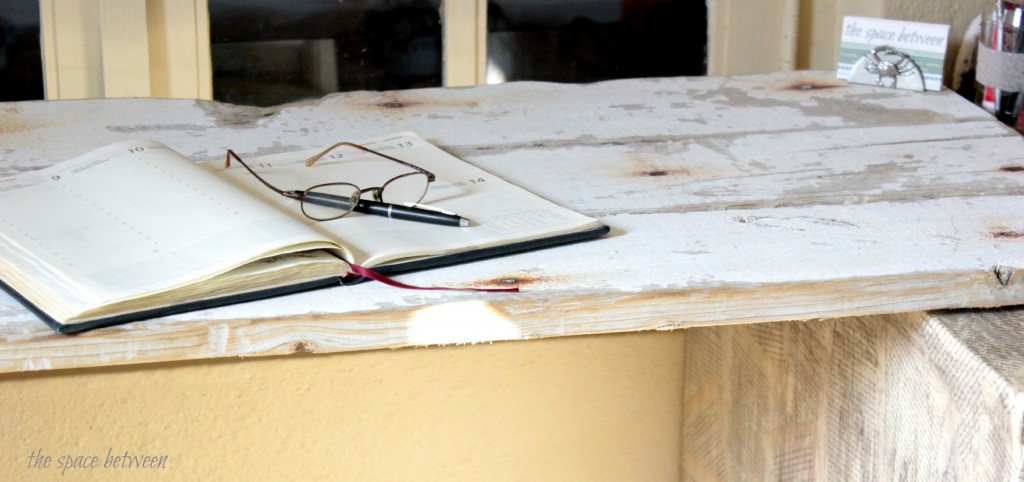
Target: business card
(925, 43)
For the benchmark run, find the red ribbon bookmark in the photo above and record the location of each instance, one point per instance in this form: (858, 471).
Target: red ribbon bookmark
(369, 273)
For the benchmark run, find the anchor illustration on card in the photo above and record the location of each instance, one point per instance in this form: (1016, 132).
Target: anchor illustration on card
(885, 66)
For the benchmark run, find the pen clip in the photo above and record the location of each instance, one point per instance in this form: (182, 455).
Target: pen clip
(429, 208)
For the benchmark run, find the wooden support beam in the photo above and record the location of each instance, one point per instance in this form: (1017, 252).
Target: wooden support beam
(464, 25)
(179, 49)
(124, 40)
(126, 48)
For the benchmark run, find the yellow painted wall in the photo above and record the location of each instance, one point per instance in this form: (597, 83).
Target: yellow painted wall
(589, 408)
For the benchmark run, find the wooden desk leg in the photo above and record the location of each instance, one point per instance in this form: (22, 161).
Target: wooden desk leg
(918, 396)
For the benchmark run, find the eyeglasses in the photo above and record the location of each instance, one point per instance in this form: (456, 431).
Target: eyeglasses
(324, 202)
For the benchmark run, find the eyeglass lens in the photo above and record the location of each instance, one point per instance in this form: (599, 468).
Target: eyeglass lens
(407, 188)
(331, 201)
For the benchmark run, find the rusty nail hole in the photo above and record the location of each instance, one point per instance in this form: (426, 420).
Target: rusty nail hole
(515, 280)
(392, 104)
(1008, 234)
(656, 173)
(1012, 169)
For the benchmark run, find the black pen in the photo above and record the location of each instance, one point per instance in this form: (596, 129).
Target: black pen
(393, 211)
(411, 213)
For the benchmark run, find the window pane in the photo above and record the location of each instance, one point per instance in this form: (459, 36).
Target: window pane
(21, 62)
(591, 40)
(270, 52)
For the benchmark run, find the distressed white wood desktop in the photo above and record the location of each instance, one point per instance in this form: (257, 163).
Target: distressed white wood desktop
(732, 200)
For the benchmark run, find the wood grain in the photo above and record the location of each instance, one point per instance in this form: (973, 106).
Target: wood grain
(731, 200)
(910, 397)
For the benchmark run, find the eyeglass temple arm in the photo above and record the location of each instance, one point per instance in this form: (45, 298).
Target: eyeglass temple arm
(227, 163)
(316, 157)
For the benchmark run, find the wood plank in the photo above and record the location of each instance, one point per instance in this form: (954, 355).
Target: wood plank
(528, 117)
(732, 200)
(744, 40)
(204, 60)
(464, 25)
(912, 397)
(124, 39)
(73, 52)
(778, 264)
(179, 49)
(48, 45)
(115, 48)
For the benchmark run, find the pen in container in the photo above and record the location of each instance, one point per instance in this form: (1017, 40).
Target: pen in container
(1018, 47)
(998, 41)
(1008, 39)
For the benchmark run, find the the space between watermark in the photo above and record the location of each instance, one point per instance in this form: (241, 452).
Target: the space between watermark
(112, 460)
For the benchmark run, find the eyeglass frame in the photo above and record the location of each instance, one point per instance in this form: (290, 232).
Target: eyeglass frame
(300, 195)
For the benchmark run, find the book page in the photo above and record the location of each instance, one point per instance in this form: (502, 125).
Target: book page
(266, 273)
(500, 212)
(133, 218)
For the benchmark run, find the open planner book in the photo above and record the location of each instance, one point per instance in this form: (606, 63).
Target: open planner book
(135, 230)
